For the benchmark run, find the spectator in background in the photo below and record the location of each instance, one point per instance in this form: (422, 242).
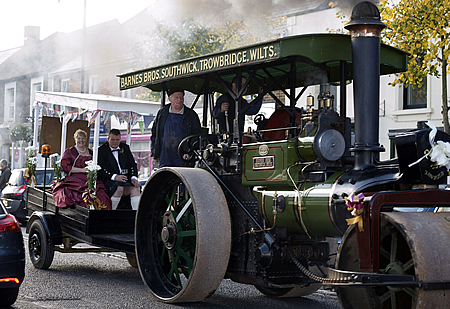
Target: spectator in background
(6, 173)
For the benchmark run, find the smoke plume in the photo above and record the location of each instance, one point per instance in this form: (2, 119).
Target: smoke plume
(346, 6)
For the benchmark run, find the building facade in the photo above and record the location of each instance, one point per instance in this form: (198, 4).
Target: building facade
(61, 61)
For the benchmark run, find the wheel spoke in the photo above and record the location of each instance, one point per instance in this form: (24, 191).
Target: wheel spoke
(410, 291)
(384, 252)
(408, 265)
(188, 260)
(170, 198)
(393, 300)
(187, 233)
(385, 296)
(174, 268)
(163, 254)
(187, 196)
(393, 255)
(185, 207)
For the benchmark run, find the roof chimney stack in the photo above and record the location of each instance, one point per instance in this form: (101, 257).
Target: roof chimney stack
(32, 35)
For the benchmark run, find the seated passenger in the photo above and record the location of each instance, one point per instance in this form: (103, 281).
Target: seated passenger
(69, 191)
(118, 170)
(225, 108)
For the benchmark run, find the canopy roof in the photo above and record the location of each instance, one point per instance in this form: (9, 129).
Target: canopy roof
(98, 102)
(318, 58)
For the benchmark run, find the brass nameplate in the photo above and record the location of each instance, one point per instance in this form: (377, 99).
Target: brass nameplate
(264, 163)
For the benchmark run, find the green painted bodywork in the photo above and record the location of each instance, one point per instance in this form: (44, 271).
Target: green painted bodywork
(314, 200)
(285, 168)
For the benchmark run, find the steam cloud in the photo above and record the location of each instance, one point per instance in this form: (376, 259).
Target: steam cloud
(347, 6)
(254, 14)
(214, 13)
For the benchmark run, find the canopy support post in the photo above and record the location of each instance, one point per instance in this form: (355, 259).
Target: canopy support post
(36, 125)
(63, 133)
(129, 128)
(96, 138)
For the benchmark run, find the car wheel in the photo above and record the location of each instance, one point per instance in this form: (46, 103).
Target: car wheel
(8, 296)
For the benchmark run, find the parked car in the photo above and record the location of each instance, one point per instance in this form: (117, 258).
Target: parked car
(12, 258)
(15, 193)
(143, 181)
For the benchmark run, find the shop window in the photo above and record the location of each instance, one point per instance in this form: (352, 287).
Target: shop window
(10, 103)
(93, 84)
(415, 97)
(65, 85)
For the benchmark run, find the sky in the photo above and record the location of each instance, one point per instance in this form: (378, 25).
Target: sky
(59, 16)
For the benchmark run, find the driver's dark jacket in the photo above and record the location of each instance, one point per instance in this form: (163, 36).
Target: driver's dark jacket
(191, 125)
(220, 116)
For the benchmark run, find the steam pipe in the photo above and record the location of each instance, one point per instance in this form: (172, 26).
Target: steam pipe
(365, 28)
(293, 80)
(343, 97)
(205, 101)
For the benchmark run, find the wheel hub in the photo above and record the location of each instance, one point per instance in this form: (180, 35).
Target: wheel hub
(35, 245)
(395, 268)
(169, 231)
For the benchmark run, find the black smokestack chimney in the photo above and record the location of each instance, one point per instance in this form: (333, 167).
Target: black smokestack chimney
(365, 28)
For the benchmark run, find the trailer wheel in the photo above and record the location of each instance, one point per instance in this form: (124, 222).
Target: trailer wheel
(410, 244)
(40, 247)
(183, 235)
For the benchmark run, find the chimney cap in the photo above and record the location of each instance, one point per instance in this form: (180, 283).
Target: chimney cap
(365, 13)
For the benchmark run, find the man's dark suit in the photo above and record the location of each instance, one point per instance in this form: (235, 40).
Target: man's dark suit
(108, 163)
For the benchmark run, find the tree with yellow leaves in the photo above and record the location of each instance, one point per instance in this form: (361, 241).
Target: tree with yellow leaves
(421, 28)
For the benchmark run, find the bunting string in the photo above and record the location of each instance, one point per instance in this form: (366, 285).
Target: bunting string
(66, 116)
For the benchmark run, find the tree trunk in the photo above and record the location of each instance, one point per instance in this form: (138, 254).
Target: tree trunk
(444, 93)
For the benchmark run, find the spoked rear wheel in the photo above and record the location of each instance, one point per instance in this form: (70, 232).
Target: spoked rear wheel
(183, 235)
(392, 248)
(409, 245)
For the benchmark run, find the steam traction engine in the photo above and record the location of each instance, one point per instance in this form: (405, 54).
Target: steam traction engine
(263, 208)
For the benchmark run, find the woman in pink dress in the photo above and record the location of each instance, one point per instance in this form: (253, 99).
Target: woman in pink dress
(69, 191)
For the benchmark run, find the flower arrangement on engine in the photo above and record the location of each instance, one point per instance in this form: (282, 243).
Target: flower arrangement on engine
(89, 195)
(32, 160)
